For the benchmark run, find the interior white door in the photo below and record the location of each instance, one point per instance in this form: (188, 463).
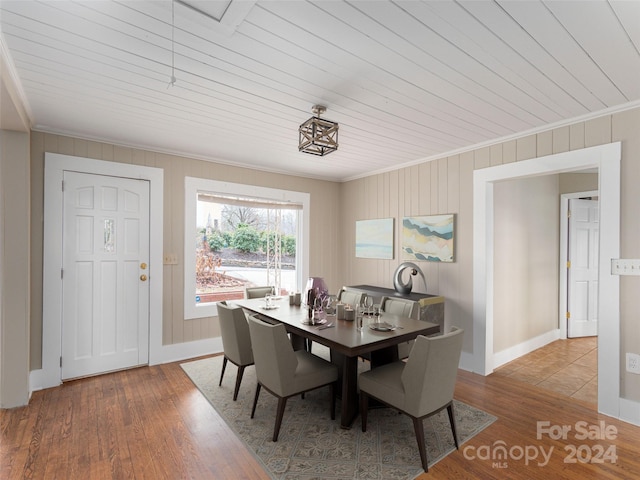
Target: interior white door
(105, 305)
(582, 277)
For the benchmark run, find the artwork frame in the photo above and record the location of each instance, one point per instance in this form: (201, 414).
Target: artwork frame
(429, 238)
(374, 238)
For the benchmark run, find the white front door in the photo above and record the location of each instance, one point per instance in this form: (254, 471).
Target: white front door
(582, 288)
(105, 287)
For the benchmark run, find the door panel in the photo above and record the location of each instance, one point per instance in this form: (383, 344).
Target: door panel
(583, 271)
(105, 317)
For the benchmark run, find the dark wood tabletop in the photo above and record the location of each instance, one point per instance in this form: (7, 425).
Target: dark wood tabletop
(345, 341)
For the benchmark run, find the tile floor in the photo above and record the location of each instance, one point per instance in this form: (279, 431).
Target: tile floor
(569, 367)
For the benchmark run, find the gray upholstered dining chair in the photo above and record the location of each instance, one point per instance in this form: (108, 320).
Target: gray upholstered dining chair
(236, 341)
(420, 387)
(259, 292)
(350, 296)
(284, 372)
(405, 308)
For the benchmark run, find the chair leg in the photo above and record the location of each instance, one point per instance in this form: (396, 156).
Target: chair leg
(452, 421)
(332, 392)
(364, 409)
(224, 365)
(282, 402)
(422, 448)
(255, 399)
(238, 381)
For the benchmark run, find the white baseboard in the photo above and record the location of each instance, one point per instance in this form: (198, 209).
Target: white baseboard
(41, 379)
(630, 411)
(511, 353)
(184, 351)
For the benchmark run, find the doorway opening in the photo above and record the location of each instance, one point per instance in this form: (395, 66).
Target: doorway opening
(604, 158)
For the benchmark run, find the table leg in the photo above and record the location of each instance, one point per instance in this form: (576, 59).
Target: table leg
(347, 387)
(298, 342)
(384, 356)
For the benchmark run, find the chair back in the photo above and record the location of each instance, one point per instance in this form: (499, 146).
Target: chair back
(429, 376)
(351, 297)
(258, 292)
(400, 306)
(236, 340)
(274, 357)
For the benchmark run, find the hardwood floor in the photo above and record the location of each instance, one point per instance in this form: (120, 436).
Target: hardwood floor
(153, 423)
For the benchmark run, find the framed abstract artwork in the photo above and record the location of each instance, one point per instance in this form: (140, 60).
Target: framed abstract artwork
(374, 238)
(428, 238)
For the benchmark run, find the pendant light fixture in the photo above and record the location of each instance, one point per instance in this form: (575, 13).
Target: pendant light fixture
(318, 136)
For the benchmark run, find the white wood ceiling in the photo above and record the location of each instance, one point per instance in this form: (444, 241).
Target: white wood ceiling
(406, 80)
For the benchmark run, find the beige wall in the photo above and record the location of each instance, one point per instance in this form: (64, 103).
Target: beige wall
(440, 186)
(323, 242)
(446, 185)
(578, 182)
(14, 268)
(526, 259)
(527, 253)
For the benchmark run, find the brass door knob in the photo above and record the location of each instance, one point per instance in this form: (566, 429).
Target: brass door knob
(143, 277)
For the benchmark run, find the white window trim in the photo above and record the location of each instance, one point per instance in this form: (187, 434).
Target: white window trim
(192, 186)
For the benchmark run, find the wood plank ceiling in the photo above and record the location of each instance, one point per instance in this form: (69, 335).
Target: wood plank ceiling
(406, 80)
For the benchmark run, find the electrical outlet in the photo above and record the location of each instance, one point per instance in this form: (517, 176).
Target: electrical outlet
(633, 363)
(170, 259)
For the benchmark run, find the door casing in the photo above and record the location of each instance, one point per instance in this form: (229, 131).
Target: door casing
(606, 158)
(55, 165)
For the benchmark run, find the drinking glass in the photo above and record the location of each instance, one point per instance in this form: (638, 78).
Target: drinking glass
(359, 319)
(369, 303)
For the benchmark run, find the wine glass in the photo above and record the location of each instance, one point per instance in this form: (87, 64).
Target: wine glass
(369, 304)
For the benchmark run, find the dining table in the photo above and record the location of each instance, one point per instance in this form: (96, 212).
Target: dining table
(378, 340)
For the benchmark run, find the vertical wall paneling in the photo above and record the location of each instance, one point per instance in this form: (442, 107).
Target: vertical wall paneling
(509, 151)
(576, 136)
(495, 157)
(324, 232)
(526, 148)
(424, 188)
(443, 184)
(544, 144)
(359, 199)
(446, 195)
(597, 131)
(482, 157)
(561, 140)
(434, 188)
(464, 245)
(625, 128)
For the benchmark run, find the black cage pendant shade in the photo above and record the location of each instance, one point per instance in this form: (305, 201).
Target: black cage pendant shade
(318, 136)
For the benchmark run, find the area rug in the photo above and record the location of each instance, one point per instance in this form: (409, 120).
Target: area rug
(312, 446)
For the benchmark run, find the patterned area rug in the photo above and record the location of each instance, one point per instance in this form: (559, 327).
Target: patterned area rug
(311, 446)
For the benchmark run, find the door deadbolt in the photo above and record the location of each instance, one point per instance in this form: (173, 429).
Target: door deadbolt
(143, 266)
(143, 277)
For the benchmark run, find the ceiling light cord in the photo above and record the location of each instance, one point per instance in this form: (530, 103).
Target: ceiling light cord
(172, 82)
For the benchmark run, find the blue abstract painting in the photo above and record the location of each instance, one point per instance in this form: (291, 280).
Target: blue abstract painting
(428, 238)
(374, 238)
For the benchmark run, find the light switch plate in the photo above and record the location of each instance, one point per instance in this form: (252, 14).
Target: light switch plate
(170, 259)
(625, 266)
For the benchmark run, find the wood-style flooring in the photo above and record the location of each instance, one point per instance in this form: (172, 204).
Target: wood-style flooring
(569, 367)
(153, 423)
